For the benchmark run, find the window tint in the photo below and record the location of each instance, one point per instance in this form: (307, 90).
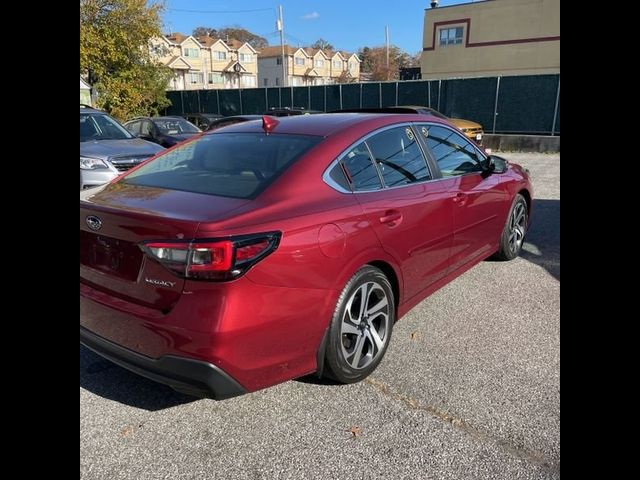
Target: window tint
(337, 175)
(364, 175)
(174, 126)
(398, 156)
(238, 165)
(454, 154)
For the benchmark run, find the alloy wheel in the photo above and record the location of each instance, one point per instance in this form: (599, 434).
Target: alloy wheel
(365, 324)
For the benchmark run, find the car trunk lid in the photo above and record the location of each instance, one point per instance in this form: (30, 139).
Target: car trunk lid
(116, 219)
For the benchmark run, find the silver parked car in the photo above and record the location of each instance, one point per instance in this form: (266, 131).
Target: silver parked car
(107, 149)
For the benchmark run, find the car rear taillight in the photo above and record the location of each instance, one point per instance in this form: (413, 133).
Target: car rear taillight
(212, 259)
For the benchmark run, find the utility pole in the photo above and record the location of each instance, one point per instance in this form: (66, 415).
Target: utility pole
(280, 28)
(386, 42)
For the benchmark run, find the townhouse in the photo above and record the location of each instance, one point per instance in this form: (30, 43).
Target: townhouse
(306, 66)
(206, 63)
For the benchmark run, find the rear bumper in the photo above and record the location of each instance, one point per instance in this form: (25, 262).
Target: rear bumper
(194, 377)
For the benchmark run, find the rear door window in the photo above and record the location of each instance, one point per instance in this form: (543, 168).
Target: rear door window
(399, 157)
(363, 173)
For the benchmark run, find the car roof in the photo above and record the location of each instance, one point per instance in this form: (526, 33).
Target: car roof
(89, 109)
(326, 124)
(166, 117)
(208, 115)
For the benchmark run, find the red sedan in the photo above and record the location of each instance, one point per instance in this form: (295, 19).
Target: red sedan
(273, 249)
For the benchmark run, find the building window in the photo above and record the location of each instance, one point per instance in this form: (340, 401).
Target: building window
(216, 78)
(450, 36)
(300, 61)
(352, 66)
(265, 82)
(220, 55)
(246, 57)
(296, 81)
(319, 63)
(248, 81)
(278, 60)
(196, 77)
(191, 52)
(277, 81)
(337, 64)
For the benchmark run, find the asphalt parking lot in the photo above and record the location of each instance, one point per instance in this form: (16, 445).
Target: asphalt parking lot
(469, 388)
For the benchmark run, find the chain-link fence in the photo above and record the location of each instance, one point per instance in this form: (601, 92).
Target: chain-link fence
(527, 104)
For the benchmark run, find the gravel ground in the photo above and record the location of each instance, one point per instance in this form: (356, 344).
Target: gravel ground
(469, 388)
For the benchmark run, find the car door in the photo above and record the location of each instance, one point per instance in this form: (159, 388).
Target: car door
(410, 214)
(479, 198)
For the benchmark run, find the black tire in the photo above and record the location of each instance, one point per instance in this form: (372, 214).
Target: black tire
(511, 241)
(351, 331)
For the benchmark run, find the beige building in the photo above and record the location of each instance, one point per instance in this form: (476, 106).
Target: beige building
(491, 37)
(306, 66)
(207, 63)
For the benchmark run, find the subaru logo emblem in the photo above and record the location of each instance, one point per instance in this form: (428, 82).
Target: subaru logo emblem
(93, 222)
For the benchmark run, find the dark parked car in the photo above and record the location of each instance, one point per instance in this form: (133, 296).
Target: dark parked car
(270, 250)
(107, 148)
(201, 120)
(232, 120)
(288, 111)
(165, 131)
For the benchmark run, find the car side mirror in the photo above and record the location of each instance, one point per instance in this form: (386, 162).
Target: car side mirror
(495, 164)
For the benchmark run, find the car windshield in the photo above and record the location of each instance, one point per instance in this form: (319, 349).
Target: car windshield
(174, 126)
(238, 165)
(101, 127)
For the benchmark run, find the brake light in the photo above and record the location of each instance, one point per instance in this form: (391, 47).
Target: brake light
(213, 259)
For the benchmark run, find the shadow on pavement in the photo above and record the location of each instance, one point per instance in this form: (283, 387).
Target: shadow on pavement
(111, 381)
(542, 243)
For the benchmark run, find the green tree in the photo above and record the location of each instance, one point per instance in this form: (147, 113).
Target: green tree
(244, 35)
(374, 62)
(115, 56)
(322, 44)
(205, 32)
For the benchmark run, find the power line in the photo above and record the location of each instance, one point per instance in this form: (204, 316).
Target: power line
(221, 11)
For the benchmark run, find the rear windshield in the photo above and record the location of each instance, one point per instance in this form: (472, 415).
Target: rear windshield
(238, 165)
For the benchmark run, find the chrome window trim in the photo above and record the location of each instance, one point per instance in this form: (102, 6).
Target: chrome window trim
(329, 181)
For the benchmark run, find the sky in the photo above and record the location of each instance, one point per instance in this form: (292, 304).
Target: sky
(346, 24)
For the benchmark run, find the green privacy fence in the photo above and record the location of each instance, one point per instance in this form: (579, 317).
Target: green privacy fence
(527, 104)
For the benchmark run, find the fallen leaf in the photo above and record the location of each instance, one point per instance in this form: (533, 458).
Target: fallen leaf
(414, 335)
(128, 430)
(355, 431)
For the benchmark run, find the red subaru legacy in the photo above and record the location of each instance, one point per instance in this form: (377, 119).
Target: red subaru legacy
(273, 249)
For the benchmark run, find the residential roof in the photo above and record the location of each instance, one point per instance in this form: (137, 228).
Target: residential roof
(176, 37)
(276, 51)
(177, 59)
(206, 41)
(230, 65)
(235, 44)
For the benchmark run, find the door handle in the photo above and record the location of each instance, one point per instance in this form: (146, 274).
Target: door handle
(460, 199)
(391, 217)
